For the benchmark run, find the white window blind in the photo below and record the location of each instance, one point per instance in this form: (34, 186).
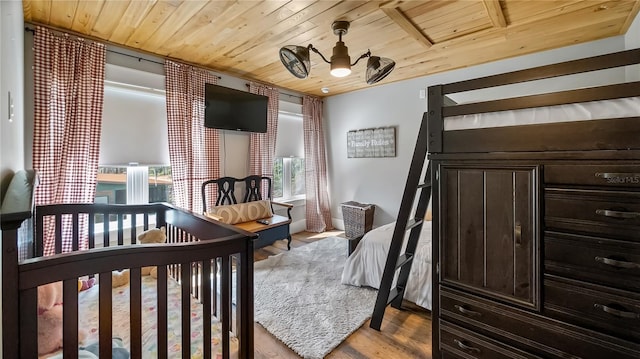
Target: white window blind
(134, 119)
(290, 135)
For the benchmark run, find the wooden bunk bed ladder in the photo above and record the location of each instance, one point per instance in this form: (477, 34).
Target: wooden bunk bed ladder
(403, 261)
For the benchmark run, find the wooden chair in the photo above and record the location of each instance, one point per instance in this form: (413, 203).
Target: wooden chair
(274, 228)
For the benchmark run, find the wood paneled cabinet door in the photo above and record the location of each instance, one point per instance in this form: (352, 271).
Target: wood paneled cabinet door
(489, 235)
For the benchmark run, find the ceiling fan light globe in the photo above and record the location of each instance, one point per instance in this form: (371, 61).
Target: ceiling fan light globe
(340, 72)
(296, 60)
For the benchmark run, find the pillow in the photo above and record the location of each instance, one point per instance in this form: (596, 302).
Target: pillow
(428, 215)
(241, 212)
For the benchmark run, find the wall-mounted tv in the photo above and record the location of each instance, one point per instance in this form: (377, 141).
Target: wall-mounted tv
(230, 109)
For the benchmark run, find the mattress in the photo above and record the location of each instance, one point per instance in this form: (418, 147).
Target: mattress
(584, 111)
(88, 312)
(364, 267)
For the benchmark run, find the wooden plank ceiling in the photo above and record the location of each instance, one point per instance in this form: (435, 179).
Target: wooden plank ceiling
(242, 38)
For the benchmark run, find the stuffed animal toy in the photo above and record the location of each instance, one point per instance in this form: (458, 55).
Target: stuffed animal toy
(84, 284)
(119, 278)
(154, 235)
(50, 318)
(154, 272)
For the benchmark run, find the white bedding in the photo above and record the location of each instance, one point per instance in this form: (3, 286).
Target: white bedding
(365, 265)
(594, 110)
(88, 311)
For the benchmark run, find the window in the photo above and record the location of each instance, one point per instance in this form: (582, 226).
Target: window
(135, 184)
(116, 186)
(288, 178)
(134, 130)
(288, 165)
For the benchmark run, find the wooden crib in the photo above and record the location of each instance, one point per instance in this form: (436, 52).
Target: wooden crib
(199, 255)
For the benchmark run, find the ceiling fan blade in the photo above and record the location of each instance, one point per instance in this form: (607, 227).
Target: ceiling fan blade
(378, 68)
(296, 60)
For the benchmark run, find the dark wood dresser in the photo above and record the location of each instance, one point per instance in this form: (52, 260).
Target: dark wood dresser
(538, 258)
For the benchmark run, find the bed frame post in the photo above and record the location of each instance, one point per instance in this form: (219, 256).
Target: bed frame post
(10, 305)
(245, 280)
(17, 206)
(435, 121)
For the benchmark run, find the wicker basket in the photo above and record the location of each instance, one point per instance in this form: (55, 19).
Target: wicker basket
(358, 218)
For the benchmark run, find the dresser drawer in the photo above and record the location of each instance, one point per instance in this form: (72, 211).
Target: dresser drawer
(600, 308)
(612, 214)
(593, 175)
(457, 342)
(603, 261)
(529, 331)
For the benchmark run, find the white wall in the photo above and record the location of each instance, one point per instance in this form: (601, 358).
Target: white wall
(632, 37)
(381, 180)
(632, 41)
(11, 81)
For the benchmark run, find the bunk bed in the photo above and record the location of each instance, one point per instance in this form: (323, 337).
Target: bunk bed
(200, 305)
(536, 221)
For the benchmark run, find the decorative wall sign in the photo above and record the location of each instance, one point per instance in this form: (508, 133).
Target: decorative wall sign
(371, 142)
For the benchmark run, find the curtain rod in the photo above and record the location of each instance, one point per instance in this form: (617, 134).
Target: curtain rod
(140, 59)
(153, 61)
(28, 29)
(281, 93)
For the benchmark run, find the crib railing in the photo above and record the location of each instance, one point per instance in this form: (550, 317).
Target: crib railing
(196, 249)
(70, 222)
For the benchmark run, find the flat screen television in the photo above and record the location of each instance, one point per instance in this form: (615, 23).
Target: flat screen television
(230, 109)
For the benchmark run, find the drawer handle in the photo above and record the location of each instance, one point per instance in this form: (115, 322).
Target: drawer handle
(517, 234)
(466, 311)
(466, 347)
(616, 263)
(617, 312)
(620, 178)
(617, 214)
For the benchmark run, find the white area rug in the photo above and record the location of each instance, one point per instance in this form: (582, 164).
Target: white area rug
(300, 300)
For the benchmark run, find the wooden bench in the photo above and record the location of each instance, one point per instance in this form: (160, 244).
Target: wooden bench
(277, 227)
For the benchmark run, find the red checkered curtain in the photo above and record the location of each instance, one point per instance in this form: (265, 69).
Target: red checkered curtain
(262, 146)
(318, 211)
(194, 150)
(69, 93)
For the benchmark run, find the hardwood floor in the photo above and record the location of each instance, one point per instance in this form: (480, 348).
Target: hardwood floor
(404, 333)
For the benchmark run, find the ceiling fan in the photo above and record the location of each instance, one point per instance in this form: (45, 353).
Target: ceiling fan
(296, 58)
